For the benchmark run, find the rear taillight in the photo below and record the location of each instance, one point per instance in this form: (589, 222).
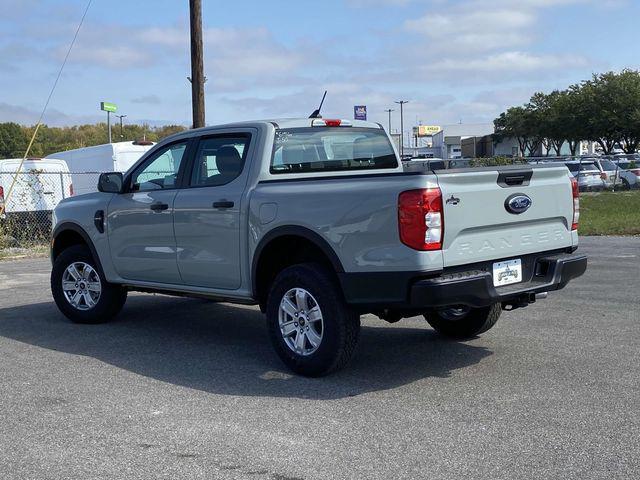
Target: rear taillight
(1, 196)
(330, 122)
(603, 176)
(575, 193)
(420, 219)
(71, 189)
(636, 172)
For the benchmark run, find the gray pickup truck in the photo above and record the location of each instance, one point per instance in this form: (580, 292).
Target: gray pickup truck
(317, 222)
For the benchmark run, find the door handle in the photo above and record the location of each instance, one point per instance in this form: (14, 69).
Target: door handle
(158, 206)
(223, 204)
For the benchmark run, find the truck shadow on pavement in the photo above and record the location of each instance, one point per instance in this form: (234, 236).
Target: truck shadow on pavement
(224, 349)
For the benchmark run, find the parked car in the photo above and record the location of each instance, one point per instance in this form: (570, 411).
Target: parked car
(589, 177)
(628, 170)
(38, 186)
(110, 157)
(316, 221)
(609, 168)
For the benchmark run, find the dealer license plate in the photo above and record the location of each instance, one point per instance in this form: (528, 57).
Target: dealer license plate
(506, 273)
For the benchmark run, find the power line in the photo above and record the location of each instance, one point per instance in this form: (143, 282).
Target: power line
(64, 62)
(46, 105)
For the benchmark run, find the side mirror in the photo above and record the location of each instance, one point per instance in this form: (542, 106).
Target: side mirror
(110, 182)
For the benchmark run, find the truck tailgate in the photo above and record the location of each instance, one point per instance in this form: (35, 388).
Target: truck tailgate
(478, 223)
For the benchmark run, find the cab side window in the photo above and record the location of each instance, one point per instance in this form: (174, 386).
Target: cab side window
(219, 160)
(160, 171)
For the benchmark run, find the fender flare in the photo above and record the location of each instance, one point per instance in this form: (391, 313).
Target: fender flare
(293, 230)
(65, 227)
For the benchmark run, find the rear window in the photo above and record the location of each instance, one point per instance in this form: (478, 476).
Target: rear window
(624, 164)
(607, 165)
(331, 149)
(584, 166)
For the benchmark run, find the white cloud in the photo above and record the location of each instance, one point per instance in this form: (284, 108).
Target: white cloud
(374, 3)
(148, 99)
(507, 62)
(443, 53)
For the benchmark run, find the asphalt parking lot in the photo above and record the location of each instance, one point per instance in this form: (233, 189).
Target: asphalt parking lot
(182, 388)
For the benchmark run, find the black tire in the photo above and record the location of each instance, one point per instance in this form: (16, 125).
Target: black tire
(340, 324)
(625, 184)
(112, 297)
(470, 322)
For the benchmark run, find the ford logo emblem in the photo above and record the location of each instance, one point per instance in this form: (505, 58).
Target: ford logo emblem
(518, 203)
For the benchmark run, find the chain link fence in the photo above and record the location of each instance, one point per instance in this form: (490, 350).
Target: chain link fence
(26, 220)
(27, 207)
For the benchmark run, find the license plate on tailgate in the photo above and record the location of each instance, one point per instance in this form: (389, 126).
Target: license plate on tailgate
(507, 272)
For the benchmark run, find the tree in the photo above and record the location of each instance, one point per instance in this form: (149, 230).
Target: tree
(604, 109)
(611, 109)
(511, 124)
(13, 141)
(571, 116)
(14, 138)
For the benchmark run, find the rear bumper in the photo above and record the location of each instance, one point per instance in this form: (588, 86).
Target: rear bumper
(470, 285)
(475, 288)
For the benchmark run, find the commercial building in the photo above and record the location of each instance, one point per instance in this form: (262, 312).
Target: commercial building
(447, 143)
(488, 146)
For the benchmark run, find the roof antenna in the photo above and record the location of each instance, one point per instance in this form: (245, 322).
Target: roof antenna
(316, 113)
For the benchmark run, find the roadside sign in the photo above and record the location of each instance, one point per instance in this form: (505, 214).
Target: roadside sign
(108, 107)
(360, 112)
(426, 130)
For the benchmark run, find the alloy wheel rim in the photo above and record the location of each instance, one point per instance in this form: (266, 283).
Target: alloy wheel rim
(301, 322)
(81, 286)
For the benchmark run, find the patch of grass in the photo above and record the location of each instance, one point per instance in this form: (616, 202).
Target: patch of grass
(610, 213)
(11, 253)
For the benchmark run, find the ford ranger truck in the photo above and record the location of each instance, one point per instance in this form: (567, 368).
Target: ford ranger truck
(317, 222)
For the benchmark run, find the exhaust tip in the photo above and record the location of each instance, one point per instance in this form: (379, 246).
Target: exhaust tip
(541, 295)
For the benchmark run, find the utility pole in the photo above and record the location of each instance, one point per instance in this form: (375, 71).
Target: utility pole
(121, 131)
(389, 110)
(197, 64)
(401, 103)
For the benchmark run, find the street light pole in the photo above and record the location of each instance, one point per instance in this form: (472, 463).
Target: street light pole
(121, 132)
(389, 110)
(197, 63)
(401, 103)
(109, 124)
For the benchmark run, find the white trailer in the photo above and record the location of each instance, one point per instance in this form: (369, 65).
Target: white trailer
(38, 186)
(86, 163)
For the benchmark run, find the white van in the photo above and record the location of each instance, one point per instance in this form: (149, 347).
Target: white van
(39, 186)
(86, 163)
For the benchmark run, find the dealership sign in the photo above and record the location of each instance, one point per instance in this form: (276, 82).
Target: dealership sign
(360, 112)
(108, 107)
(426, 130)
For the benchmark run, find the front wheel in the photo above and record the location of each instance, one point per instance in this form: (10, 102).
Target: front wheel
(462, 321)
(80, 290)
(310, 326)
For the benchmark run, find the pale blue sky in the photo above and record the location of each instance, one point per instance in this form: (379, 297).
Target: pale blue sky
(453, 59)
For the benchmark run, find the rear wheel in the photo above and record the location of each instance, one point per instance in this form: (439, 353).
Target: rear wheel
(80, 290)
(462, 321)
(310, 326)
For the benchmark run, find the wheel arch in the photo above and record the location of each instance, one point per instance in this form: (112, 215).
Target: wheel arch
(274, 251)
(68, 234)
